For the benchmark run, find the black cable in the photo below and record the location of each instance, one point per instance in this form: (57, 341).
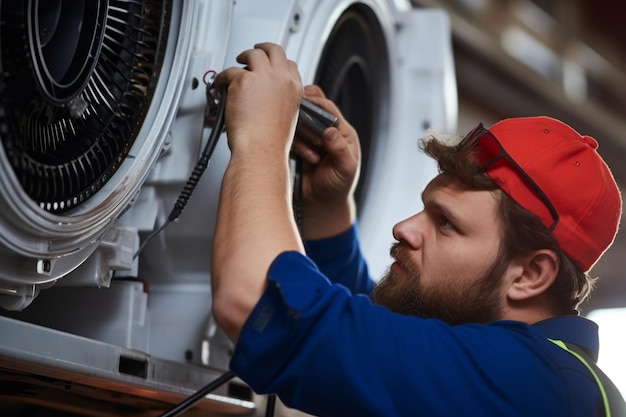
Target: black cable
(297, 195)
(202, 164)
(271, 404)
(197, 172)
(200, 394)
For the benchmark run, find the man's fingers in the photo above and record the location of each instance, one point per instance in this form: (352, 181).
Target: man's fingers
(226, 76)
(342, 148)
(313, 90)
(304, 151)
(261, 54)
(253, 58)
(273, 51)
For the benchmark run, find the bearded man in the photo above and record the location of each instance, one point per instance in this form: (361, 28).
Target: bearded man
(478, 313)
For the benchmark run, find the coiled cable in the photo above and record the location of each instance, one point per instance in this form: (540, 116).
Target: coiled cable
(196, 174)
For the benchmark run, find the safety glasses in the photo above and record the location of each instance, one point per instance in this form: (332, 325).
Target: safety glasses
(492, 151)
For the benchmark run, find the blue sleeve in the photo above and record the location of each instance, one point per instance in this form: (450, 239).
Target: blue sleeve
(330, 353)
(340, 259)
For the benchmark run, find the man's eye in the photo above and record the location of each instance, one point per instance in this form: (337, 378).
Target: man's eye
(446, 224)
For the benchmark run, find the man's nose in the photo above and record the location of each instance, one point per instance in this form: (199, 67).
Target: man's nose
(410, 231)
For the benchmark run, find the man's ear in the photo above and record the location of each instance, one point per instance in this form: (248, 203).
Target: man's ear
(533, 275)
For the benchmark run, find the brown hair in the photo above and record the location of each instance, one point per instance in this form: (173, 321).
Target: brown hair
(522, 233)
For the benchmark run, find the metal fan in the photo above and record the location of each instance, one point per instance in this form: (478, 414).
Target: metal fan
(78, 77)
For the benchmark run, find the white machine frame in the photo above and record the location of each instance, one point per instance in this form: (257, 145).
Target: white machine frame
(79, 311)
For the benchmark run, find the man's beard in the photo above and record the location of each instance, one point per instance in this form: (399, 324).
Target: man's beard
(454, 302)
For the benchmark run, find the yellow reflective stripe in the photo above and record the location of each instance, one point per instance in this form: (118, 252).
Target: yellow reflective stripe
(605, 398)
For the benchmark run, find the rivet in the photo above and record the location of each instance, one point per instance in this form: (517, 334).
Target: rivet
(546, 131)
(576, 163)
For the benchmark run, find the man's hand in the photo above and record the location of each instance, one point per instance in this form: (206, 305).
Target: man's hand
(330, 173)
(263, 100)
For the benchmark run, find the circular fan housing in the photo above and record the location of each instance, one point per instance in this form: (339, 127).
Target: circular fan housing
(78, 78)
(78, 133)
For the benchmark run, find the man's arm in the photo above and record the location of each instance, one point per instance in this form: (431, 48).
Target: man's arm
(255, 220)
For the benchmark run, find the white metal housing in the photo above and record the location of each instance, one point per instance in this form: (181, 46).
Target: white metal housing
(69, 279)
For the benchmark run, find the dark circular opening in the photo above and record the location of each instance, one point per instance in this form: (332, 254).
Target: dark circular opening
(48, 16)
(65, 38)
(354, 72)
(76, 80)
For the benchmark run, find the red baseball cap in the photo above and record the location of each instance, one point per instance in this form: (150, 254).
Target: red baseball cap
(558, 175)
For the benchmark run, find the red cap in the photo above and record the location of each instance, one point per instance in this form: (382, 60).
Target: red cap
(568, 169)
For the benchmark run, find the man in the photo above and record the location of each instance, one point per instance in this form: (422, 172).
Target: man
(473, 316)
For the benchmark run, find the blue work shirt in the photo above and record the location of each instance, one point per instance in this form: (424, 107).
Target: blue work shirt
(316, 340)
